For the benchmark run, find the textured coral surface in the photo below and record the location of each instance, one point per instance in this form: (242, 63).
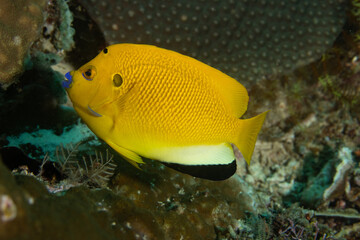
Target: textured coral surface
(246, 39)
(20, 23)
(158, 203)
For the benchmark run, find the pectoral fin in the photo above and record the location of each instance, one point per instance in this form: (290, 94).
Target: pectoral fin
(130, 156)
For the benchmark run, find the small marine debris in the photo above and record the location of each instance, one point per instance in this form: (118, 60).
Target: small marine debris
(93, 170)
(340, 179)
(8, 209)
(349, 231)
(345, 222)
(66, 169)
(349, 214)
(293, 230)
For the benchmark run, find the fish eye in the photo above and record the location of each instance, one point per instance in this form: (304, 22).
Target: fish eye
(117, 80)
(89, 73)
(105, 50)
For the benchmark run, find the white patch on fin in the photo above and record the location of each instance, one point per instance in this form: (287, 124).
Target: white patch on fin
(195, 155)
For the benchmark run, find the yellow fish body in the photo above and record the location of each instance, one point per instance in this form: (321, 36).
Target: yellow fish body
(146, 101)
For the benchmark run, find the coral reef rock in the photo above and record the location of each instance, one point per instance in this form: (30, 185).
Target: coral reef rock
(20, 25)
(187, 207)
(156, 203)
(245, 39)
(342, 170)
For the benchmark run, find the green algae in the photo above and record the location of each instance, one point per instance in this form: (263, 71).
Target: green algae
(314, 178)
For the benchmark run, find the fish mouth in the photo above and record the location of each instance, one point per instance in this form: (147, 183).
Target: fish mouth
(93, 112)
(68, 81)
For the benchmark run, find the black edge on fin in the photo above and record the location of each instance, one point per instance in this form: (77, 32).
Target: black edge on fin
(214, 172)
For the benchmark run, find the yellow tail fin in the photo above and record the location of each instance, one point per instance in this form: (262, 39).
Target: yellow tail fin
(248, 132)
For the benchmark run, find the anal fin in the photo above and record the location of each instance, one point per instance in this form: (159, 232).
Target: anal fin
(213, 162)
(217, 172)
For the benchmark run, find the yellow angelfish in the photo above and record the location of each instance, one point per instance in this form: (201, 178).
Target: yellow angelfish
(147, 101)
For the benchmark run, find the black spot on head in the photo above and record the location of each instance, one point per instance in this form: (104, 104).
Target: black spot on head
(117, 80)
(105, 50)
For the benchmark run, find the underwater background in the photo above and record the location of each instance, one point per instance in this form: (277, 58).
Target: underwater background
(299, 59)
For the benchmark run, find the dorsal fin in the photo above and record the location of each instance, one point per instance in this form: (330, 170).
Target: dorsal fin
(233, 92)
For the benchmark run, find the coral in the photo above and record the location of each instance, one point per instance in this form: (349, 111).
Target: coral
(245, 39)
(298, 223)
(351, 232)
(274, 160)
(8, 210)
(20, 25)
(36, 113)
(188, 208)
(340, 178)
(344, 88)
(315, 177)
(66, 32)
(355, 9)
(88, 36)
(339, 69)
(157, 203)
(12, 205)
(272, 166)
(72, 216)
(67, 166)
(352, 189)
(57, 32)
(301, 122)
(92, 170)
(36, 97)
(327, 180)
(290, 223)
(344, 222)
(47, 141)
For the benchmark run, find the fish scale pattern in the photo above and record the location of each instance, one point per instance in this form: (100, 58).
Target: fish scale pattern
(162, 95)
(246, 39)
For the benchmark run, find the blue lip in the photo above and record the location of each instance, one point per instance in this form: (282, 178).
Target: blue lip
(66, 83)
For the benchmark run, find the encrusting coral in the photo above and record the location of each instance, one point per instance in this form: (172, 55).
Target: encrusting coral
(20, 25)
(340, 177)
(245, 39)
(157, 203)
